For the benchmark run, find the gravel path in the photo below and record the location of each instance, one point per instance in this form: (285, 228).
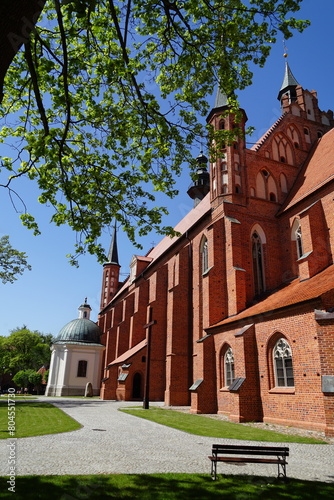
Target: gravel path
(111, 441)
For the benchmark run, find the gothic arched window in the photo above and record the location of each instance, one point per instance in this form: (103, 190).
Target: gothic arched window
(228, 367)
(266, 186)
(282, 150)
(282, 358)
(204, 254)
(283, 182)
(258, 271)
(299, 242)
(297, 236)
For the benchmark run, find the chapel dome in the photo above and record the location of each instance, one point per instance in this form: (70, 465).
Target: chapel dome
(80, 330)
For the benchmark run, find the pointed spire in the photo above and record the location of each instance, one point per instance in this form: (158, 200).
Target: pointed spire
(221, 99)
(113, 252)
(289, 84)
(289, 80)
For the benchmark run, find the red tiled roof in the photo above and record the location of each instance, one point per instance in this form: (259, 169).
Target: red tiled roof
(318, 171)
(295, 292)
(126, 355)
(182, 227)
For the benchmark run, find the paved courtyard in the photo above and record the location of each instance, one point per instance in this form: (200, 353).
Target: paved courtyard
(111, 441)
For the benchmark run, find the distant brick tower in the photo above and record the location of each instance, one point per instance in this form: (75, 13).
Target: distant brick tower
(111, 269)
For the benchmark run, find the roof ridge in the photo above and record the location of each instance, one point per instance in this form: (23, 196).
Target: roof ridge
(265, 136)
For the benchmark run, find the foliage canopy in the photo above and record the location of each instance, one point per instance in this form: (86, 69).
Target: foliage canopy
(105, 101)
(24, 350)
(12, 262)
(24, 378)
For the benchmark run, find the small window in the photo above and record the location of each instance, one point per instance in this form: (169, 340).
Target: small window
(228, 367)
(82, 368)
(205, 255)
(258, 271)
(283, 364)
(238, 188)
(283, 183)
(297, 236)
(299, 242)
(272, 197)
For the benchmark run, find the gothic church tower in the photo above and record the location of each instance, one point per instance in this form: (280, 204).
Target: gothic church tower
(227, 172)
(111, 269)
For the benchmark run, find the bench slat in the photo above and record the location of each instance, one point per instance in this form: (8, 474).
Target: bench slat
(247, 452)
(249, 460)
(246, 447)
(250, 450)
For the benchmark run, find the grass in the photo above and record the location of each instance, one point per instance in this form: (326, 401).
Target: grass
(26, 397)
(34, 419)
(205, 426)
(164, 487)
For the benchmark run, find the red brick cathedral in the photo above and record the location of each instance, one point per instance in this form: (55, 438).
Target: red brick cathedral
(236, 316)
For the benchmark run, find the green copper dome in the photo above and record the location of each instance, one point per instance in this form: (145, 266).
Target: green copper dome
(80, 330)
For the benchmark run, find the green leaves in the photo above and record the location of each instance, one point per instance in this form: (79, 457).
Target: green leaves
(24, 349)
(25, 377)
(107, 99)
(12, 262)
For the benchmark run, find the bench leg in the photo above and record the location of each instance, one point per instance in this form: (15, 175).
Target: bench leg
(213, 470)
(281, 470)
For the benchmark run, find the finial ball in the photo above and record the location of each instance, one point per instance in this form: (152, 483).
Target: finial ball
(285, 54)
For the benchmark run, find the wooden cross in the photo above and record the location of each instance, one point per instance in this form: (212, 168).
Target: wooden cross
(148, 326)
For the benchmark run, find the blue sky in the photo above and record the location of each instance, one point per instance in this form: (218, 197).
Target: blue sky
(47, 297)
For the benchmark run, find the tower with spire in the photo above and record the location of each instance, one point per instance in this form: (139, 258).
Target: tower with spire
(288, 88)
(227, 173)
(111, 269)
(303, 103)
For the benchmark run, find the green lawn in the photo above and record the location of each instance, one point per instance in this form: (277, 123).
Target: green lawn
(204, 426)
(34, 419)
(165, 487)
(27, 397)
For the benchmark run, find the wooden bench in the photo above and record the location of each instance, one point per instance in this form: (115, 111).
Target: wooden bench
(249, 454)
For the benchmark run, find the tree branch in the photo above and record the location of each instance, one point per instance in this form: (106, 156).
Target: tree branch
(39, 101)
